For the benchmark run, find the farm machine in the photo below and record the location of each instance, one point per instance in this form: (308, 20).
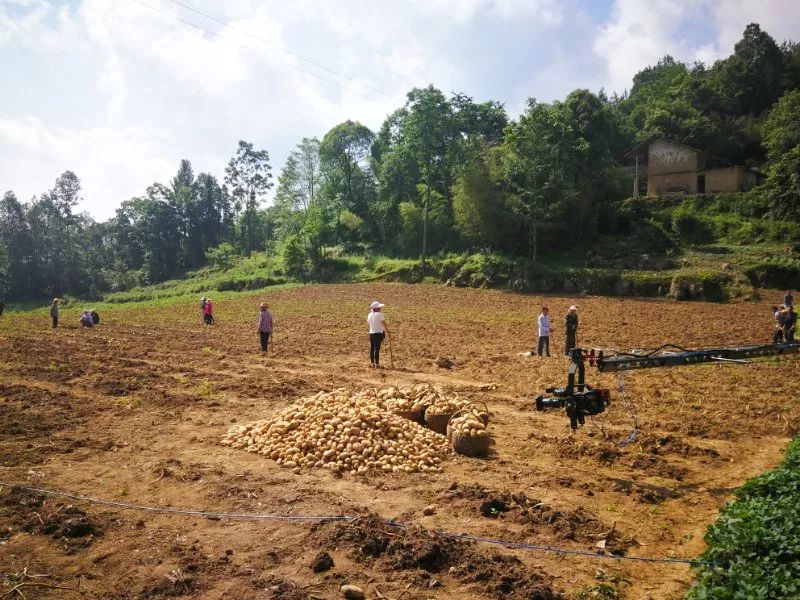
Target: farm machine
(580, 400)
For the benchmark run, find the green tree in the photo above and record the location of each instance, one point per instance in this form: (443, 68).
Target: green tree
(248, 174)
(782, 141)
(752, 78)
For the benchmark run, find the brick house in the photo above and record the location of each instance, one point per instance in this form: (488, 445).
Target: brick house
(663, 166)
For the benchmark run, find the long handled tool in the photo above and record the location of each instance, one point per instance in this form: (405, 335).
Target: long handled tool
(391, 354)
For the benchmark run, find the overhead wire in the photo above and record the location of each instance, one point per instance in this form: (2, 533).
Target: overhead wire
(252, 49)
(281, 48)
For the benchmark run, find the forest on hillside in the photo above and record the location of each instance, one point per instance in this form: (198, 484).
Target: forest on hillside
(443, 173)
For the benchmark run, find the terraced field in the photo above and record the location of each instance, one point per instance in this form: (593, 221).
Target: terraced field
(134, 410)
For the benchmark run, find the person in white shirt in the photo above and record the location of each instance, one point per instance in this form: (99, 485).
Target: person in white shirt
(377, 331)
(544, 332)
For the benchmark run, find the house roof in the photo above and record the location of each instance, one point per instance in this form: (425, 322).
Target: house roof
(641, 148)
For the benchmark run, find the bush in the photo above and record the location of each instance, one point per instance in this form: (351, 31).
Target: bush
(700, 285)
(756, 540)
(784, 274)
(222, 256)
(294, 256)
(244, 283)
(690, 227)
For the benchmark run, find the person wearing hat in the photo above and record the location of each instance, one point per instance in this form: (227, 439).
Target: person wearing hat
(54, 312)
(208, 316)
(572, 329)
(377, 331)
(264, 325)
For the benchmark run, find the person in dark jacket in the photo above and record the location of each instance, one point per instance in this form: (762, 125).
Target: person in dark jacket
(777, 336)
(788, 299)
(789, 323)
(264, 326)
(572, 330)
(95, 317)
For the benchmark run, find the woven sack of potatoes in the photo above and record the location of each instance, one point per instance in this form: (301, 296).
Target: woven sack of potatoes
(468, 433)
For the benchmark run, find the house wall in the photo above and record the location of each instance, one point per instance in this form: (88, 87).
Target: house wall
(666, 157)
(731, 179)
(672, 183)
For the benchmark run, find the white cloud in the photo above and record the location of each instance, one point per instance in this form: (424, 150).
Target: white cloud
(780, 18)
(548, 11)
(640, 33)
(123, 160)
(120, 93)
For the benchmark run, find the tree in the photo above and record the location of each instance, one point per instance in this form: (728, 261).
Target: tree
(479, 202)
(248, 175)
(426, 132)
(752, 78)
(782, 141)
(343, 152)
(782, 127)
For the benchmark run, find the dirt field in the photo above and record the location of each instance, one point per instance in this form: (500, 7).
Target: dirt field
(133, 411)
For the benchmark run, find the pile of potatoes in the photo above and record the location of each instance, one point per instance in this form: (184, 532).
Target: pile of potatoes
(446, 405)
(407, 398)
(344, 431)
(468, 424)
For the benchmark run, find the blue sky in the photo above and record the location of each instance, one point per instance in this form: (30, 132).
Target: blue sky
(119, 92)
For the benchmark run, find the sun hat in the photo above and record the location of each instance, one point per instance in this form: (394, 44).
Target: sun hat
(263, 305)
(375, 305)
(573, 307)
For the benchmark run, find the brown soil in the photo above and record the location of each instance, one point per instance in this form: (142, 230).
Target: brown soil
(133, 411)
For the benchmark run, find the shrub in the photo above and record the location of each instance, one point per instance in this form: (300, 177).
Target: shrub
(755, 543)
(774, 273)
(700, 285)
(222, 256)
(691, 227)
(294, 256)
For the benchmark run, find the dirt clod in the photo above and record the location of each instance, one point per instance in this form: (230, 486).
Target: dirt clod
(322, 562)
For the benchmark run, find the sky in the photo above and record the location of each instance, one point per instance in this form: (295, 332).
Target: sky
(119, 91)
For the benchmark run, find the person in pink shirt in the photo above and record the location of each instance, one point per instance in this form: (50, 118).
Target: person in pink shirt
(264, 326)
(208, 316)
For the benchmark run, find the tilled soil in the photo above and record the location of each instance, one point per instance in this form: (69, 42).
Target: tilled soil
(133, 411)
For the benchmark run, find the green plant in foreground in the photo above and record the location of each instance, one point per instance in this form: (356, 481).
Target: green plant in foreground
(755, 543)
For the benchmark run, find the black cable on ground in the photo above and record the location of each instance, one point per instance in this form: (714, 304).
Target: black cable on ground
(325, 518)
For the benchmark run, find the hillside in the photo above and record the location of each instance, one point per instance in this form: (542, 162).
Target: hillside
(685, 247)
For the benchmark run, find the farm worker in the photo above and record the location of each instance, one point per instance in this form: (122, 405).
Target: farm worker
(572, 329)
(789, 323)
(777, 337)
(544, 331)
(788, 299)
(264, 325)
(95, 317)
(377, 331)
(208, 317)
(54, 312)
(86, 319)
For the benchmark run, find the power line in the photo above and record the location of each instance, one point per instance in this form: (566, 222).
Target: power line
(246, 47)
(327, 518)
(281, 48)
